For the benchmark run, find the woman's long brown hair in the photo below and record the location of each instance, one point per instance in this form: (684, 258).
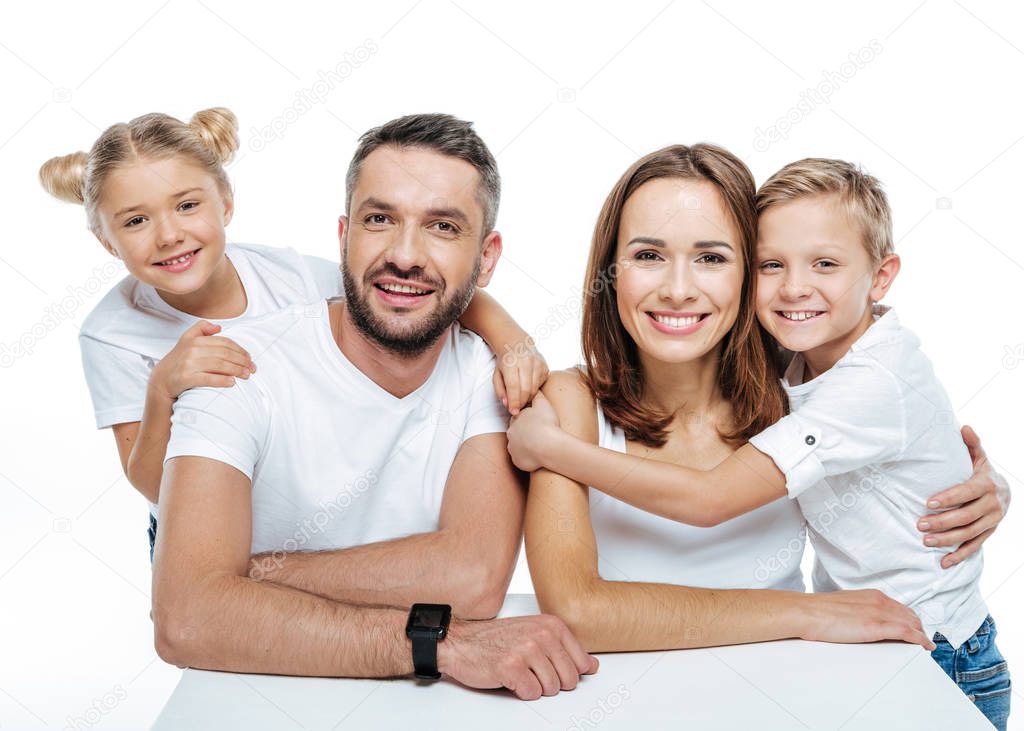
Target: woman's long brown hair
(748, 374)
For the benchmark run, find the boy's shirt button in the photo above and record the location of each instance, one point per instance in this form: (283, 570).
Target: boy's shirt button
(809, 439)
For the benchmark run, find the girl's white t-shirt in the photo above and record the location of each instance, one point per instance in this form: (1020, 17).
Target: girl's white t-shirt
(132, 328)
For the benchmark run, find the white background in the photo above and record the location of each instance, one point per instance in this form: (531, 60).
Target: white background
(567, 97)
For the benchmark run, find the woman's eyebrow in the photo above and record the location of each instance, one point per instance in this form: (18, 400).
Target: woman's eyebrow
(660, 243)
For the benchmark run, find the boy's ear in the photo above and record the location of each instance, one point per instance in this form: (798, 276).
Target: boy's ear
(229, 210)
(886, 272)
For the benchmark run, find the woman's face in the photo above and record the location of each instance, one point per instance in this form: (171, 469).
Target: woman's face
(679, 269)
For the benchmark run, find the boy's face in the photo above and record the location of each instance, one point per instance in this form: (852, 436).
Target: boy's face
(815, 279)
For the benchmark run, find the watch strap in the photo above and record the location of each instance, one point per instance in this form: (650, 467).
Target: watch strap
(424, 656)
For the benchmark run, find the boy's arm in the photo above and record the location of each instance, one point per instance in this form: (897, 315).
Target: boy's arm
(744, 481)
(521, 369)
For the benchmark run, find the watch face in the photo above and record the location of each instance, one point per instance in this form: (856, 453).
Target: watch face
(429, 617)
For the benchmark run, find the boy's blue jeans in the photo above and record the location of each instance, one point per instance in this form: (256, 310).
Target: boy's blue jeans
(152, 536)
(980, 671)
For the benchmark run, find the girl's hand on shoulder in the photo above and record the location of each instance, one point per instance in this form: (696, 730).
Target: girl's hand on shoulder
(201, 358)
(531, 432)
(521, 372)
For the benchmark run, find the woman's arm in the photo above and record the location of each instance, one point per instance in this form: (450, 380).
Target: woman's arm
(521, 368)
(744, 481)
(609, 616)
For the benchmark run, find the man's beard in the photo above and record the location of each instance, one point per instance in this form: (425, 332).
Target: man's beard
(412, 341)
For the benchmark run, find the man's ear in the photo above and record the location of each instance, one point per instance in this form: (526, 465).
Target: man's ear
(489, 256)
(342, 236)
(884, 276)
(106, 244)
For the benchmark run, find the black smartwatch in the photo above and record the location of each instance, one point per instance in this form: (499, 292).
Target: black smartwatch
(427, 625)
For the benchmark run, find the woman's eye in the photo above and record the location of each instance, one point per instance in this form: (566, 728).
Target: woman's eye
(711, 259)
(648, 256)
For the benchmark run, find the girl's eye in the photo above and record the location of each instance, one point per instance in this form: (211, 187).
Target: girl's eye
(824, 264)
(770, 265)
(188, 205)
(134, 221)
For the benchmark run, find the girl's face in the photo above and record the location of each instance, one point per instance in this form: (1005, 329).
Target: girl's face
(165, 219)
(680, 269)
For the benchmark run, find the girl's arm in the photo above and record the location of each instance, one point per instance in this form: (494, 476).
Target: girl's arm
(521, 368)
(744, 481)
(611, 616)
(199, 359)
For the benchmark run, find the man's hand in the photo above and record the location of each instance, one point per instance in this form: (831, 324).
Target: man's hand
(531, 656)
(973, 508)
(530, 432)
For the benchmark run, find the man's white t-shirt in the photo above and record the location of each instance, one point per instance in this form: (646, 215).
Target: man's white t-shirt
(132, 327)
(864, 447)
(335, 460)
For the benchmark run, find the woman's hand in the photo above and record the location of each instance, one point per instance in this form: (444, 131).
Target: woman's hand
(973, 508)
(531, 432)
(200, 359)
(865, 615)
(521, 372)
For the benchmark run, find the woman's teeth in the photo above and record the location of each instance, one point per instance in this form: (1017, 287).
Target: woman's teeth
(798, 316)
(677, 321)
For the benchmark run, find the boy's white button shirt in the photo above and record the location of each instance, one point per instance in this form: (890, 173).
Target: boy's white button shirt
(335, 460)
(864, 447)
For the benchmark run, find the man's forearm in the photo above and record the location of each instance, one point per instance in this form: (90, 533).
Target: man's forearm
(235, 624)
(427, 567)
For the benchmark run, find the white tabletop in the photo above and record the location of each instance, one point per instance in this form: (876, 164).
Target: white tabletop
(772, 685)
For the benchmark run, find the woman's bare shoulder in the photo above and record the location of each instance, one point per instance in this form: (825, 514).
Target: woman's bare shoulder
(573, 402)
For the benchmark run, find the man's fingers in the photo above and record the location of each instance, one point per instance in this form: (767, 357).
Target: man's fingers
(523, 683)
(545, 672)
(585, 663)
(966, 549)
(568, 675)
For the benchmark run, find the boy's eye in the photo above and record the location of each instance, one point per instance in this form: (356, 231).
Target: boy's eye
(825, 264)
(134, 221)
(188, 205)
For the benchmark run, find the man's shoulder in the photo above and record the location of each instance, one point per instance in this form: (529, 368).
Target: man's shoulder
(261, 333)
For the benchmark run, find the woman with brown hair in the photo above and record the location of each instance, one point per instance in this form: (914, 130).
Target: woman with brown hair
(678, 370)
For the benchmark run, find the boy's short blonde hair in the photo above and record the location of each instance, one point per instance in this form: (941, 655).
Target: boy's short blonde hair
(860, 194)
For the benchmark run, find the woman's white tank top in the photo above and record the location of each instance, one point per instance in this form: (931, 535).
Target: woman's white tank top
(759, 550)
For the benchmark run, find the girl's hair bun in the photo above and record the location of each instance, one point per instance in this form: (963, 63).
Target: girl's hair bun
(64, 177)
(218, 129)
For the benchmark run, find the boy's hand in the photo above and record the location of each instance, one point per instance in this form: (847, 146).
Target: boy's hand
(979, 505)
(521, 372)
(530, 431)
(200, 359)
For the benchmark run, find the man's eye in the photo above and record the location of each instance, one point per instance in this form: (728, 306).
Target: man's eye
(375, 219)
(446, 227)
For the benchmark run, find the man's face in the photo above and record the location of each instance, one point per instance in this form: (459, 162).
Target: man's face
(412, 247)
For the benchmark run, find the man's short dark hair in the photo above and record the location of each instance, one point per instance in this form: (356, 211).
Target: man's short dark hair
(442, 133)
